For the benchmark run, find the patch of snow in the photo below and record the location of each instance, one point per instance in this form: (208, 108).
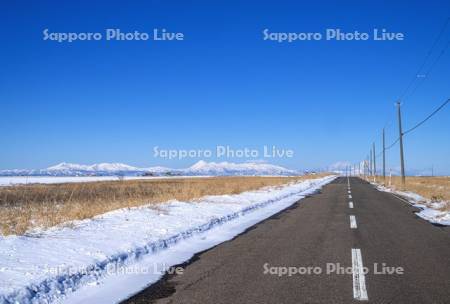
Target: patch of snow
(158, 169)
(77, 264)
(23, 180)
(428, 209)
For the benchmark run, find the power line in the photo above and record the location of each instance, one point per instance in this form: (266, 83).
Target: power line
(428, 117)
(430, 51)
(420, 123)
(393, 144)
(413, 81)
(418, 79)
(429, 69)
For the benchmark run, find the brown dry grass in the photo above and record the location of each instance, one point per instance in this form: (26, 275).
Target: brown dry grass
(44, 205)
(436, 188)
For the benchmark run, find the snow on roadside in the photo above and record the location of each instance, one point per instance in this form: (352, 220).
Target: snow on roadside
(429, 210)
(48, 266)
(23, 180)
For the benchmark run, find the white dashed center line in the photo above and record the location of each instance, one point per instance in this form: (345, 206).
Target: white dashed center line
(353, 222)
(359, 281)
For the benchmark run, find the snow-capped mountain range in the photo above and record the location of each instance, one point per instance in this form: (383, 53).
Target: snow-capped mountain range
(95, 167)
(226, 168)
(199, 168)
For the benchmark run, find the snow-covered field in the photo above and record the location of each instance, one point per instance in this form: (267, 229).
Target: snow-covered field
(21, 180)
(428, 209)
(109, 257)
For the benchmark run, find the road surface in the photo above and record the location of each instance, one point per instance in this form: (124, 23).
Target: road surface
(348, 225)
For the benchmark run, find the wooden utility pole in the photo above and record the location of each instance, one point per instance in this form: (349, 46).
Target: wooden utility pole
(367, 167)
(374, 164)
(400, 132)
(384, 160)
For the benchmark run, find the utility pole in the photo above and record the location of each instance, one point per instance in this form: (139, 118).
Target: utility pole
(374, 163)
(384, 160)
(367, 167)
(370, 163)
(400, 132)
(364, 169)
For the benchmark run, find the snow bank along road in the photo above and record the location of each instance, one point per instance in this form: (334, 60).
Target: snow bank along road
(348, 244)
(113, 255)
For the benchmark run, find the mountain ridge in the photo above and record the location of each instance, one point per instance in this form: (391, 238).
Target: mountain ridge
(199, 168)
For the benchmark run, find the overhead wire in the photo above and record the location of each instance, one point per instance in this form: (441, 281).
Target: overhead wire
(422, 78)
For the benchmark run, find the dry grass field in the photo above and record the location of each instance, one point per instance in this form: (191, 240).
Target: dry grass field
(436, 188)
(44, 205)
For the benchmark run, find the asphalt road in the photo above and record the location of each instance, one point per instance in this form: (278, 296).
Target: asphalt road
(315, 234)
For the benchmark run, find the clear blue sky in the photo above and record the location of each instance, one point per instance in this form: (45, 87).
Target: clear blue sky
(108, 101)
